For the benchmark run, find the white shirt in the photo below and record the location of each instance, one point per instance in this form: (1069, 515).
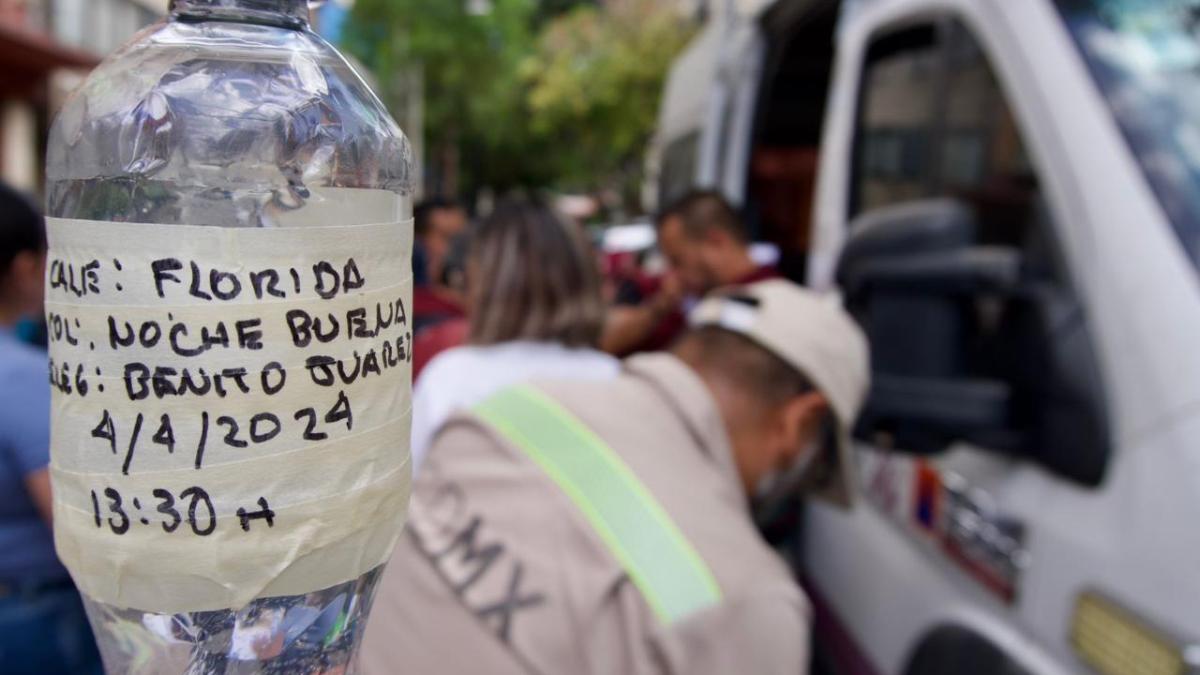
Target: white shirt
(461, 377)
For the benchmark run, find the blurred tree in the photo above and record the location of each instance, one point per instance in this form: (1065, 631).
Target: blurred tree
(467, 61)
(595, 82)
(524, 93)
(548, 9)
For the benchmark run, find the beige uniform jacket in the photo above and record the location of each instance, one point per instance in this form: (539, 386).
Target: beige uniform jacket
(498, 572)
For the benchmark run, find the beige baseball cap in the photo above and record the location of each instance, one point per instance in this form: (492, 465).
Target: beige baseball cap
(813, 333)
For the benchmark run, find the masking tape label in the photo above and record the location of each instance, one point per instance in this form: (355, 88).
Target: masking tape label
(230, 407)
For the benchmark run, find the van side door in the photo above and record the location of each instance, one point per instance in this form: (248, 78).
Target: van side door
(987, 396)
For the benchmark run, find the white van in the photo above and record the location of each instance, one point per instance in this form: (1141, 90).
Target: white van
(1007, 193)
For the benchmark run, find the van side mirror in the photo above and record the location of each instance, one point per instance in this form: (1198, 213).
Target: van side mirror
(968, 344)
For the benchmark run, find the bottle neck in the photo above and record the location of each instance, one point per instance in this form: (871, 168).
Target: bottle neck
(288, 13)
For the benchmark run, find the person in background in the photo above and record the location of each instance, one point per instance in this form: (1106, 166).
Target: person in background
(450, 332)
(43, 627)
(605, 527)
(437, 224)
(707, 248)
(535, 311)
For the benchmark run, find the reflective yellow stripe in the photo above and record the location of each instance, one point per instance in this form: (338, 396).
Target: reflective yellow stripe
(662, 563)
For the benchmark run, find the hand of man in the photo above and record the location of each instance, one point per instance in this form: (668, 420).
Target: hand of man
(669, 296)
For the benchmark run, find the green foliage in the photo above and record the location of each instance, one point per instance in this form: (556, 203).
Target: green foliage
(471, 97)
(595, 82)
(534, 93)
(549, 9)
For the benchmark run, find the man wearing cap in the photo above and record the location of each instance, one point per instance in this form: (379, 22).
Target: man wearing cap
(560, 529)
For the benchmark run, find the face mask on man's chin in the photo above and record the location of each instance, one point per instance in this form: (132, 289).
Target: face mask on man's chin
(776, 487)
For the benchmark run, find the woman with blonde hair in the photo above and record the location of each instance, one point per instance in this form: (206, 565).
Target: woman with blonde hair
(535, 310)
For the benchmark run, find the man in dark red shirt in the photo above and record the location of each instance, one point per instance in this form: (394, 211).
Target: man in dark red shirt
(438, 223)
(707, 247)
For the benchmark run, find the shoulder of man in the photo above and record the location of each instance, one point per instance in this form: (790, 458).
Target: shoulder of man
(480, 506)
(506, 549)
(763, 617)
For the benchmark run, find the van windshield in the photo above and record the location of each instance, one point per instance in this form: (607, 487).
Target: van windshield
(1145, 57)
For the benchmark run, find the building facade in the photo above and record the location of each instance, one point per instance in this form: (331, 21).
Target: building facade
(46, 48)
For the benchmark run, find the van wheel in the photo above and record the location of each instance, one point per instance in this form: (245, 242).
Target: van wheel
(954, 650)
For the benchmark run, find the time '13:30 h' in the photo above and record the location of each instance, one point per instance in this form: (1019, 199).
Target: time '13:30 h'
(201, 515)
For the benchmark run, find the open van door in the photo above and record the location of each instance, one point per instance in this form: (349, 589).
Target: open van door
(743, 112)
(708, 106)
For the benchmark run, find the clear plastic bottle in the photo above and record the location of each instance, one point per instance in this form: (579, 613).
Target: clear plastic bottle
(228, 114)
(231, 114)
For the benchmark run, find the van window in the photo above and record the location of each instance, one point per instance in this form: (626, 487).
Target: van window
(1145, 58)
(897, 121)
(934, 122)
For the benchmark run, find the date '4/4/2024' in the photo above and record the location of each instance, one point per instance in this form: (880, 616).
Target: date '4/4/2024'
(259, 428)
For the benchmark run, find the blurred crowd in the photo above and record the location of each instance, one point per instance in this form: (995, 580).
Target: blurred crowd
(590, 444)
(525, 295)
